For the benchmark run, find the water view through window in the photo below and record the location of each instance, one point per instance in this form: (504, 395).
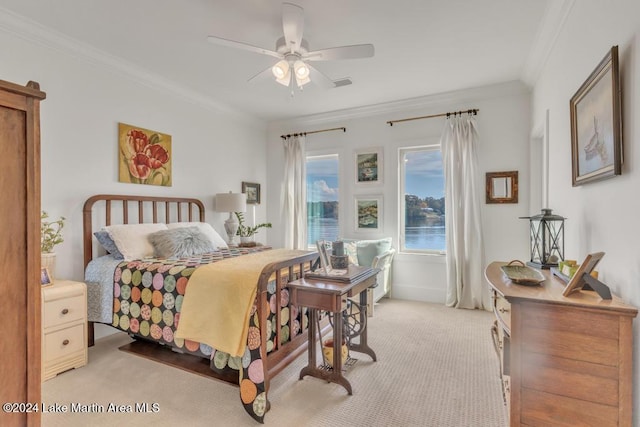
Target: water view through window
(424, 226)
(322, 198)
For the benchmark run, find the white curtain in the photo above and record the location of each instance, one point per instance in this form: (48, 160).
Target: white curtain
(294, 198)
(466, 287)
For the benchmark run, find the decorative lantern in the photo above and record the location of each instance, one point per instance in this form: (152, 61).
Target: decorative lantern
(547, 239)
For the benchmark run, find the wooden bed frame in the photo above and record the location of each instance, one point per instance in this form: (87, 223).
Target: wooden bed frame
(104, 209)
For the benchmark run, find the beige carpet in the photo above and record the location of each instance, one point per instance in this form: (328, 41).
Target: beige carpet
(436, 367)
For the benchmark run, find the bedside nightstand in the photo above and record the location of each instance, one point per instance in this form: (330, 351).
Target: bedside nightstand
(64, 327)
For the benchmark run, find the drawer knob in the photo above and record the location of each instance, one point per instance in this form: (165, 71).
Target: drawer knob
(65, 342)
(503, 310)
(65, 311)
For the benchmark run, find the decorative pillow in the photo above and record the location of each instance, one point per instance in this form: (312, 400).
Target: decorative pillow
(369, 249)
(108, 244)
(180, 242)
(351, 250)
(131, 239)
(206, 228)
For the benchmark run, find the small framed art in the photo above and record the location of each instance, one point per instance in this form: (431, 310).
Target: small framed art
(577, 282)
(252, 190)
(45, 277)
(368, 213)
(596, 124)
(368, 164)
(324, 256)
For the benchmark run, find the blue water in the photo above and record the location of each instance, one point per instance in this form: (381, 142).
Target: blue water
(423, 236)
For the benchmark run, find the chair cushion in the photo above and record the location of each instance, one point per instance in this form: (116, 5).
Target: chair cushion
(362, 252)
(369, 249)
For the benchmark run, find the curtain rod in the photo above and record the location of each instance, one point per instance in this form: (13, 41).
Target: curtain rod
(473, 111)
(343, 129)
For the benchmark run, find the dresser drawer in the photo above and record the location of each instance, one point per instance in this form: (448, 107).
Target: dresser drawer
(63, 310)
(64, 342)
(502, 309)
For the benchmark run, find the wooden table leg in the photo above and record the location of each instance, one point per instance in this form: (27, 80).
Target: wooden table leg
(311, 368)
(363, 346)
(335, 374)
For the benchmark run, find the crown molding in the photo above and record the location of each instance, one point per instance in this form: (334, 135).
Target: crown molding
(463, 96)
(552, 24)
(41, 35)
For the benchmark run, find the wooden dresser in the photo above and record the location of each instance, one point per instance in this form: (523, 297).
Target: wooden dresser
(564, 360)
(64, 327)
(20, 250)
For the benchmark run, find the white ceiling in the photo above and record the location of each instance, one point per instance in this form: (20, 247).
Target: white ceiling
(422, 47)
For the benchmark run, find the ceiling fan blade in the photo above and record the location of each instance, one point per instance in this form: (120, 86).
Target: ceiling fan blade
(342, 52)
(292, 25)
(262, 75)
(320, 78)
(232, 43)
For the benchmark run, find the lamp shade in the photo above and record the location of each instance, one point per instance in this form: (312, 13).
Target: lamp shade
(231, 202)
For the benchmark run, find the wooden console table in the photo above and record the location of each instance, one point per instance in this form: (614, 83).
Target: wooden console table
(564, 360)
(329, 295)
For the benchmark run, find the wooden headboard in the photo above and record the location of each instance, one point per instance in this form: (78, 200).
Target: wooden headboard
(106, 209)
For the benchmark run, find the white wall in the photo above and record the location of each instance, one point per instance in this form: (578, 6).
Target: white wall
(602, 216)
(213, 150)
(504, 145)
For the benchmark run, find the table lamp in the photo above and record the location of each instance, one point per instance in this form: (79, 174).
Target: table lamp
(231, 202)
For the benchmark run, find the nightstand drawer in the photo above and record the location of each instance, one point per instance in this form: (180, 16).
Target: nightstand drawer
(63, 310)
(64, 342)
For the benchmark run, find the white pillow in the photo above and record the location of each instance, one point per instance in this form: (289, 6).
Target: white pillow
(206, 228)
(131, 239)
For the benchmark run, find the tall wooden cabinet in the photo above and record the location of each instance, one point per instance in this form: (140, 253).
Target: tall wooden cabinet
(20, 345)
(564, 361)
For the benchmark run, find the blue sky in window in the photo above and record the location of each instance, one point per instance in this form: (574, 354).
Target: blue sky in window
(423, 174)
(322, 179)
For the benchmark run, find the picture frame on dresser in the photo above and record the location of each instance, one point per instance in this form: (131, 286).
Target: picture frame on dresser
(45, 277)
(577, 281)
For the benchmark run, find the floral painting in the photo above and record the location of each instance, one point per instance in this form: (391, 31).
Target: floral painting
(145, 156)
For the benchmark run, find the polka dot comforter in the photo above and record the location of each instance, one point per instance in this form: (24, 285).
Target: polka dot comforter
(148, 297)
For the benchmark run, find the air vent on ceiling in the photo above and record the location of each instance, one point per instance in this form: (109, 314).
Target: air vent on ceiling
(342, 82)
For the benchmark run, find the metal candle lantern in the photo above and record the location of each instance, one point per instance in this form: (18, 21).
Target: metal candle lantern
(547, 239)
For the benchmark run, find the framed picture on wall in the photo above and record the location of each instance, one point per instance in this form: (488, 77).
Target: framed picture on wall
(252, 190)
(368, 164)
(596, 124)
(144, 156)
(368, 213)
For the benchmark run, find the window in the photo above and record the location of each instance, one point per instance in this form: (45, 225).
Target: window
(422, 204)
(322, 198)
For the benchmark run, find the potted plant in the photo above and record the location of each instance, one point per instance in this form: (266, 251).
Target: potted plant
(247, 232)
(50, 236)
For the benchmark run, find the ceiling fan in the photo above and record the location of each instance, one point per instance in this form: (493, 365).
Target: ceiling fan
(293, 53)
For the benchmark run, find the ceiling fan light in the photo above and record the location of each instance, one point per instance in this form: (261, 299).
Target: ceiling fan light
(285, 80)
(301, 69)
(302, 81)
(281, 69)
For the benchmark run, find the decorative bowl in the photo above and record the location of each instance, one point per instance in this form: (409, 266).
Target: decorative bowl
(521, 274)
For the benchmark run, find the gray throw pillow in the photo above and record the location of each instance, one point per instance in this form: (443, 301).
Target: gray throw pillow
(108, 244)
(180, 242)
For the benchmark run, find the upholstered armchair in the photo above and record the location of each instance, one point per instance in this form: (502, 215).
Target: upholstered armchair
(376, 254)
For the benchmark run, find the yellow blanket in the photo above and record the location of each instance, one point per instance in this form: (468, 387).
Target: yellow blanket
(218, 300)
